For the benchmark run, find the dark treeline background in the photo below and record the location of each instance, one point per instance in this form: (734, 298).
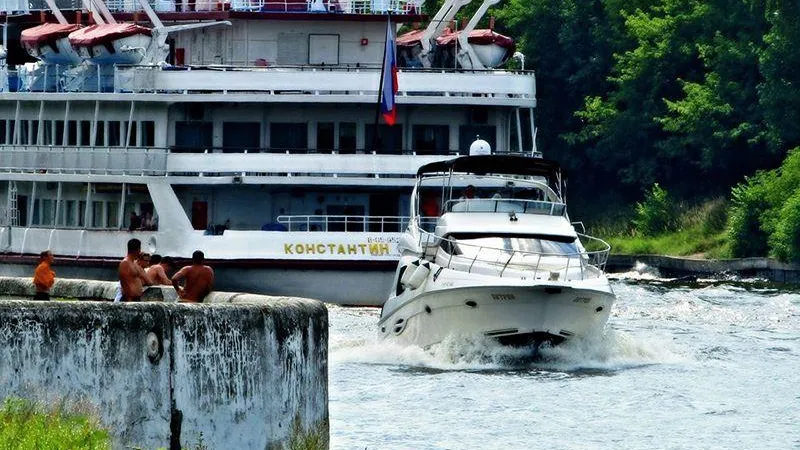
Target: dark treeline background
(691, 94)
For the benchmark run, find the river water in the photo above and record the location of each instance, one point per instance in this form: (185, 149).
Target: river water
(700, 366)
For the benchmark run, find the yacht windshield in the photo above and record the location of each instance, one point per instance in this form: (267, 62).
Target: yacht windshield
(471, 245)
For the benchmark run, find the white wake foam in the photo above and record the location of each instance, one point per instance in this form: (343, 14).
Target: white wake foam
(611, 351)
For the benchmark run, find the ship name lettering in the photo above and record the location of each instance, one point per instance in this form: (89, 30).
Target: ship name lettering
(378, 249)
(318, 248)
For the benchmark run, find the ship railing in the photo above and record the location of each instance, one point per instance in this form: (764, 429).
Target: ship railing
(83, 160)
(200, 6)
(506, 205)
(245, 79)
(36, 77)
(26, 6)
(317, 151)
(184, 6)
(506, 86)
(504, 262)
(357, 223)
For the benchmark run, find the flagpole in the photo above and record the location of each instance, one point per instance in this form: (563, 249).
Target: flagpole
(380, 90)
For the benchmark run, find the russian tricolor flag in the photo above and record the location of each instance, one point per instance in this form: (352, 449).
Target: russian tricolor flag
(389, 76)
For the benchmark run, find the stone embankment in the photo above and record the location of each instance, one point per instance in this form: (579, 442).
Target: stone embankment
(669, 266)
(238, 371)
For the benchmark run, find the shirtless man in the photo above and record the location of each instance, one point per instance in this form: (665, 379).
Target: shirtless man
(157, 272)
(199, 280)
(132, 278)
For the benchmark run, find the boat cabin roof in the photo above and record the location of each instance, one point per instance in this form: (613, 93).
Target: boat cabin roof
(489, 224)
(497, 164)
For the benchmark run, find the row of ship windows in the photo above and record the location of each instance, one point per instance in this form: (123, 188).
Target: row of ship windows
(237, 136)
(342, 136)
(111, 133)
(72, 213)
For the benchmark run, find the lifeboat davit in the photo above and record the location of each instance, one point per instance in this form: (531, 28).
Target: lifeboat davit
(492, 48)
(114, 43)
(49, 43)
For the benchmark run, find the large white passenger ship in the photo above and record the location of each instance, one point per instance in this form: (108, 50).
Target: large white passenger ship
(243, 128)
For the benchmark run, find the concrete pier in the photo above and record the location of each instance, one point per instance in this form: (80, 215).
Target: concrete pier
(240, 371)
(766, 268)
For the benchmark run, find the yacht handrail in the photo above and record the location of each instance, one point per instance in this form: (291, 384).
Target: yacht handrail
(554, 266)
(326, 223)
(499, 204)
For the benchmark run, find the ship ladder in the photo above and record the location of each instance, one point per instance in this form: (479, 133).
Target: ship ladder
(12, 213)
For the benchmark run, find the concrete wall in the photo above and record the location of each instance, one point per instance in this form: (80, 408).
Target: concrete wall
(241, 370)
(766, 268)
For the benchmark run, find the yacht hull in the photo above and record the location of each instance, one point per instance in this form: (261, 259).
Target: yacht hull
(512, 311)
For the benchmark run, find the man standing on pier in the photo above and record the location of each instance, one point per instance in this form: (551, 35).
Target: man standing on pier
(132, 278)
(44, 277)
(199, 280)
(157, 272)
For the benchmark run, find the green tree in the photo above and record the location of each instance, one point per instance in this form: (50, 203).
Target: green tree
(779, 93)
(656, 214)
(764, 212)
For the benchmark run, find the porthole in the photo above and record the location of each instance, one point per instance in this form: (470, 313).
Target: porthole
(427, 309)
(471, 303)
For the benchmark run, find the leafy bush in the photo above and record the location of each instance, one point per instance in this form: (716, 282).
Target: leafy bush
(656, 213)
(26, 425)
(744, 219)
(762, 211)
(785, 241)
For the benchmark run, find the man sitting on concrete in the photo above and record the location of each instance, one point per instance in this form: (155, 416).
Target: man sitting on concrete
(198, 280)
(44, 277)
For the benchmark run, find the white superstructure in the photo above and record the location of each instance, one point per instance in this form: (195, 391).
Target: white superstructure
(253, 140)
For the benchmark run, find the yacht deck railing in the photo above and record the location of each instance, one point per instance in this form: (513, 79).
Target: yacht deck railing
(504, 262)
(507, 205)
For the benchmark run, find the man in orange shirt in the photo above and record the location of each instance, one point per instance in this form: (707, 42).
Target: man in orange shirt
(44, 277)
(198, 280)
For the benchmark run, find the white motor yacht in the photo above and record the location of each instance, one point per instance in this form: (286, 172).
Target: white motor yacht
(502, 259)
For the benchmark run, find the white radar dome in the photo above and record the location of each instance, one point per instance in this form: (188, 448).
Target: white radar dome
(480, 147)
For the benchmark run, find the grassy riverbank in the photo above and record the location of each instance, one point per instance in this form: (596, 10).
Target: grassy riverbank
(26, 425)
(699, 231)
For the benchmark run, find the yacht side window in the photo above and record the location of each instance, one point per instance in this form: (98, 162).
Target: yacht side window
(450, 247)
